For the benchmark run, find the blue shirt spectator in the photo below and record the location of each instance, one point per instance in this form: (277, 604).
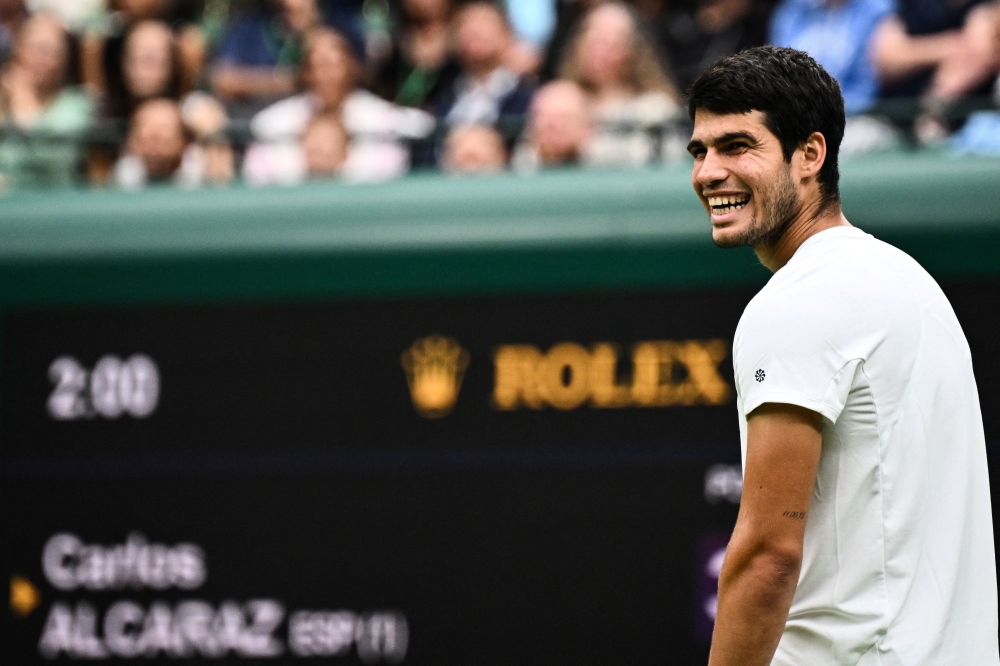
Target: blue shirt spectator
(260, 53)
(837, 35)
(261, 41)
(274, 39)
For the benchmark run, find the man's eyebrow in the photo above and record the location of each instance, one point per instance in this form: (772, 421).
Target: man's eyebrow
(728, 137)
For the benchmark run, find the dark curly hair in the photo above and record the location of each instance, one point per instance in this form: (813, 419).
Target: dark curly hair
(793, 91)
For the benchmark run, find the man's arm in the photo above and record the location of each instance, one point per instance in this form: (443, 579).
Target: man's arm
(897, 54)
(762, 562)
(236, 82)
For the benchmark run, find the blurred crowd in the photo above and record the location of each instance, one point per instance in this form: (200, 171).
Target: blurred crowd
(206, 92)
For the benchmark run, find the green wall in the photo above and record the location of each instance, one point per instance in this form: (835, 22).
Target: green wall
(430, 234)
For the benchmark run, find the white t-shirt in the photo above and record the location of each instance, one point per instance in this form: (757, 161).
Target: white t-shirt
(898, 566)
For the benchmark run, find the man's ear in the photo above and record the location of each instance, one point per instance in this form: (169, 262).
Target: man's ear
(812, 155)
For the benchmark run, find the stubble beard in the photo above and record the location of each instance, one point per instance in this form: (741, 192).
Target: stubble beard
(775, 206)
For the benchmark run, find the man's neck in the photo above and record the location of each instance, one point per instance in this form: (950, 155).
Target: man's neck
(809, 221)
(332, 100)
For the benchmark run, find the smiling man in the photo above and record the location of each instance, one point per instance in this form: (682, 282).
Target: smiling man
(865, 534)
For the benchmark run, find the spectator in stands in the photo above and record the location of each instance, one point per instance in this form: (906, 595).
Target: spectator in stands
(103, 52)
(159, 149)
(149, 68)
(12, 15)
(375, 127)
(696, 34)
(838, 34)
(155, 145)
(322, 151)
(936, 47)
(632, 99)
(419, 64)
(42, 118)
(558, 128)
(260, 54)
(487, 91)
(937, 50)
(568, 18)
(474, 149)
(980, 135)
(325, 146)
(211, 153)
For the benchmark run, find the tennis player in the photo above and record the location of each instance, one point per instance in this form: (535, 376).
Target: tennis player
(865, 535)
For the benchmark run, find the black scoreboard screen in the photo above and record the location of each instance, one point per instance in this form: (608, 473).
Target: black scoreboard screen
(501, 480)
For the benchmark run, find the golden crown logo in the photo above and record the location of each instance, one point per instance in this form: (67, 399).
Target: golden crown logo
(434, 368)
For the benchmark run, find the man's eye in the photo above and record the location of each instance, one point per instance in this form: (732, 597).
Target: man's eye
(737, 147)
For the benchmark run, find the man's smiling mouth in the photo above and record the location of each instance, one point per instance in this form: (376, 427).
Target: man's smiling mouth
(728, 204)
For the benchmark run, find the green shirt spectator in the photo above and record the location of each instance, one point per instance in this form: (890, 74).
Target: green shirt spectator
(41, 119)
(49, 152)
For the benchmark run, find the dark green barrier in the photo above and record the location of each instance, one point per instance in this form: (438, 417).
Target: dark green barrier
(433, 235)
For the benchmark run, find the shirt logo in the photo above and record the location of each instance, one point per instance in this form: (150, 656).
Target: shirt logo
(759, 375)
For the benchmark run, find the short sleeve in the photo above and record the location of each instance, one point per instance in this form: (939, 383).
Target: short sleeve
(782, 358)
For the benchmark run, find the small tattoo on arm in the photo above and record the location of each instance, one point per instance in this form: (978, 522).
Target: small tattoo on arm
(797, 515)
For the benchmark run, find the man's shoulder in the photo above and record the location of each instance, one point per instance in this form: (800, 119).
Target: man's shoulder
(841, 259)
(835, 278)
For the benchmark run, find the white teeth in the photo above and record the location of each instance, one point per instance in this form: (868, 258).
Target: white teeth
(725, 205)
(725, 209)
(726, 201)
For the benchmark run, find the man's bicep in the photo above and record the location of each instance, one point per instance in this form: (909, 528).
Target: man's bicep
(783, 449)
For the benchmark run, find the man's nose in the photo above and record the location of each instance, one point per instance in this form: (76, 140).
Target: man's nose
(712, 169)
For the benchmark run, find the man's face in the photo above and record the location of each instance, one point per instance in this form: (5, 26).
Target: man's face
(157, 137)
(474, 149)
(482, 36)
(325, 147)
(560, 124)
(742, 178)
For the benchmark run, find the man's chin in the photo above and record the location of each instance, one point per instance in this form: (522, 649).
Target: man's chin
(726, 238)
